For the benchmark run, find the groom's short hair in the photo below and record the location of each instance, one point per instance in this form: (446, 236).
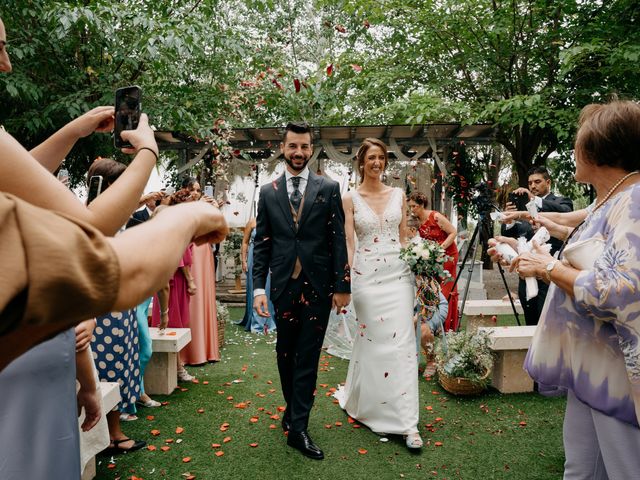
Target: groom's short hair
(297, 127)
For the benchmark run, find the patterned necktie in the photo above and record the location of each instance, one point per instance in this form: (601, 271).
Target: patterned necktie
(296, 196)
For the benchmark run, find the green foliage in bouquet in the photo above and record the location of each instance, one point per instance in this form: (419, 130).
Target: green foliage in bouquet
(426, 258)
(465, 355)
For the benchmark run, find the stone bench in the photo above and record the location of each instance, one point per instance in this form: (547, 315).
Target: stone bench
(89, 443)
(510, 345)
(161, 375)
(479, 312)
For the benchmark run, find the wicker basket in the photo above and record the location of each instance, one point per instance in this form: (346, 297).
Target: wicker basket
(221, 326)
(461, 386)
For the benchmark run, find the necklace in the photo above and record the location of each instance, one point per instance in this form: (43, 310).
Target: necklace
(613, 189)
(598, 205)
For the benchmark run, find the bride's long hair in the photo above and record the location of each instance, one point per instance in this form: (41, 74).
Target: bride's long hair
(366, 144)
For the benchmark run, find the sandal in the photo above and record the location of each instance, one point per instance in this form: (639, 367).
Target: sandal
(430, 370)
(183, 376)
(116, 449)
(128, 417)
(151, 403)
(413, 441)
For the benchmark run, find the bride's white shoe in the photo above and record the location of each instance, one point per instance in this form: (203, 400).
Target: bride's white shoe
(414, 440)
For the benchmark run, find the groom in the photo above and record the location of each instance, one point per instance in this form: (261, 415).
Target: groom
(300, 238)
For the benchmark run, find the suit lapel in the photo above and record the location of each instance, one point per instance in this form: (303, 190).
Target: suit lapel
(280, 187)
(310, 194)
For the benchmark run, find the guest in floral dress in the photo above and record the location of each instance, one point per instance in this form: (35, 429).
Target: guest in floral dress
(588, 338)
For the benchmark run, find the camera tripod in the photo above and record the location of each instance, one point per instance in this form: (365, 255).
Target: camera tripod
(473, 246)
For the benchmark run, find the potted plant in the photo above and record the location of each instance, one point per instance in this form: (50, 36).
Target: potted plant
(464, 360)
(232, 249)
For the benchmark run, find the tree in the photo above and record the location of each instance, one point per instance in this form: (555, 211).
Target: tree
(508, 63)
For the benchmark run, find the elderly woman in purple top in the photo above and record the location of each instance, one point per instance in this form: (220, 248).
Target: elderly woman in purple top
(588, 339)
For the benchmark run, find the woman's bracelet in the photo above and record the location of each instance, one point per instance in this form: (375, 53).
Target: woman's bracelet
(164, 312)
(151, 150)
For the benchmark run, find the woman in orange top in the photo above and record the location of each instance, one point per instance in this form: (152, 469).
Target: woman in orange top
(435, 226)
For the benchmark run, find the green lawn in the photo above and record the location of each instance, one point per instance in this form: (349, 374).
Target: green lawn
(491, 436)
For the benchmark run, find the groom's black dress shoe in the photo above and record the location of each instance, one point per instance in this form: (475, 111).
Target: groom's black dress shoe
(302, 441)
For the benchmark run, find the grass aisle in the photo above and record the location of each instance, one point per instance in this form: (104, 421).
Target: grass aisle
(491, 436)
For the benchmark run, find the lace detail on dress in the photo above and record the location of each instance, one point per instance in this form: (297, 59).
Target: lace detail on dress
(373, 228)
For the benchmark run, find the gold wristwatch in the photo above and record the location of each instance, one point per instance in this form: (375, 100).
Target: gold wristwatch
(549, 268)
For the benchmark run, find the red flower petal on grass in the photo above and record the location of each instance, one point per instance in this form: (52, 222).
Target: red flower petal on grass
(150, 417)
(523, 424)
(254, 445)
(151, 448)
(186, 459)
(357, 69)
(169, 440)
(438, 444)
(219, 453)
(240, 405)
(281, 409)
(429, 407)
(111, 466)
(179, 430)
(253, 419)
(330, 69)
(362, 451)
(328, 426)
(296, 85)
(272, 426)
(165, 448)
(226, 440)
(200, 410)
(206, 382)
(350, 420)
(338, 424)
(215, 445)
(155, 433)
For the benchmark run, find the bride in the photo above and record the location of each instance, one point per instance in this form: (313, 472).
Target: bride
(381, 390)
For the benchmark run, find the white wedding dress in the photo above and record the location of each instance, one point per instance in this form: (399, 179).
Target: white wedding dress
(381, 390)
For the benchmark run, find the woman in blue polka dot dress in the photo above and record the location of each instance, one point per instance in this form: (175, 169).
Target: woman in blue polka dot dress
(115, 347)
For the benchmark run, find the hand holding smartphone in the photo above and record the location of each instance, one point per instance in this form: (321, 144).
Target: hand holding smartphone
(128, 108)
(519, 201)
(208, 190)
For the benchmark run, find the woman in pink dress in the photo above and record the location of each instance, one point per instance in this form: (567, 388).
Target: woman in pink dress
(204, 320)
(181, 289)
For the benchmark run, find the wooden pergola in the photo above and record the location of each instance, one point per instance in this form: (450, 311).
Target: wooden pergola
(340, 143)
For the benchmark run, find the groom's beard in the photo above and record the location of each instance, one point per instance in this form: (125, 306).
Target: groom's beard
(296, 167)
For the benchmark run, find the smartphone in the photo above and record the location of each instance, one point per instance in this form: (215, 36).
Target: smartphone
(63, 174)
(95, 187)
(128, 108)
(519, 200)
(208, 190)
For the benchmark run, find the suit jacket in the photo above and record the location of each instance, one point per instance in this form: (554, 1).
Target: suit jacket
(138, 217)
(318, 240)
(551, 203)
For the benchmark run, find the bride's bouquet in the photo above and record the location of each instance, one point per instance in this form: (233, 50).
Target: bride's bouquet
(426, 260)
